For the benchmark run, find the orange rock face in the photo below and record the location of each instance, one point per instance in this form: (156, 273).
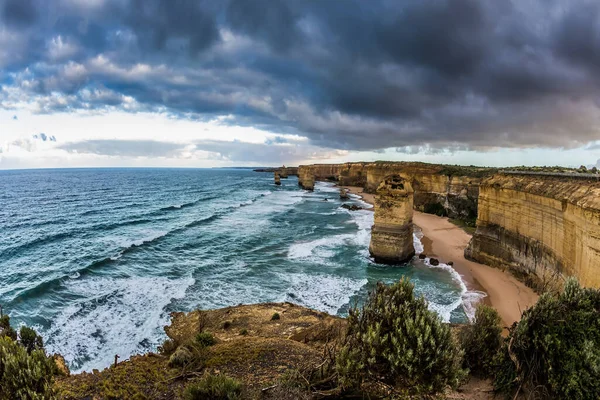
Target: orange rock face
(392, 233)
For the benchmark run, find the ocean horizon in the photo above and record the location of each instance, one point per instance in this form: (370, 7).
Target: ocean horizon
(97, 258)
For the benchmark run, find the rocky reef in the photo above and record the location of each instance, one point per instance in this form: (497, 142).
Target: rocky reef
(392, 233)
(541, 227)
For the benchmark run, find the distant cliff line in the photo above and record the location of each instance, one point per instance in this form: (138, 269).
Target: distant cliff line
(541, 223)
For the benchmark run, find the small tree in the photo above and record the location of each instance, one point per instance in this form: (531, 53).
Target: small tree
(397, 340)
(554, 351)
(482, 340)
(23, 375)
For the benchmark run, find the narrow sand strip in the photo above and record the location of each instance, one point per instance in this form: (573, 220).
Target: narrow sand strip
(447, 242)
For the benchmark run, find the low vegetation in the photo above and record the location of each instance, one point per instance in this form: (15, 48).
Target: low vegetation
(481, 341)
(26, 372)
(554, 351)
(214, 387)
(391, 347)
(396, 340)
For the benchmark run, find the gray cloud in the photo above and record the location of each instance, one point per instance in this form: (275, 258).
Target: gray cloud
(234, 151)
(125, 148)
(355, 75)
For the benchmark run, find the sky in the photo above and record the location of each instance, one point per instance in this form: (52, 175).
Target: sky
(176, 83)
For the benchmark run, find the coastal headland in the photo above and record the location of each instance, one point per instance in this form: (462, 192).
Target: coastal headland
(541, 224)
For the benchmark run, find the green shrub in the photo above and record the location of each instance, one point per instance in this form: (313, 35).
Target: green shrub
(275, 317)
(181, 357)
(226, 325)
(554, 351)
(205, 339)
(6, 329)
(30, 339)
(395, 339)
(244, 332)
(214, 387)
(482, 340)
(24, 375)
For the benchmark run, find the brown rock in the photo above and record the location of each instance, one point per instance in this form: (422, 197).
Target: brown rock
(392, 234)
(434, 261)
(277, 178)
(422, 256)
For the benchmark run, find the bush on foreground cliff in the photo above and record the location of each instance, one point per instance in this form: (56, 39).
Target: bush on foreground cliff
(554, 351)
(214, 387)
(26, 373)
(396, 340)
(482, 340)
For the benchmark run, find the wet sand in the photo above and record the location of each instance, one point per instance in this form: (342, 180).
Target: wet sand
(446, 242)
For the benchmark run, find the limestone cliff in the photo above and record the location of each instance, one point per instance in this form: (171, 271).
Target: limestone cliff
(392, 233)
(353, 174)
(541, 227)
(277, 178)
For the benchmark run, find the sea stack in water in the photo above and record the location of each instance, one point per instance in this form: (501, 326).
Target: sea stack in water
(277, 179)
(392, 234)
(344, 194)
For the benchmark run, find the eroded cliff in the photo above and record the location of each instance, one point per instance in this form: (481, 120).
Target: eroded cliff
(392, 233)
(540, 227)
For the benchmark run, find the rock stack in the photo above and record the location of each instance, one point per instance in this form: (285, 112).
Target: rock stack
(392, 234)
(277, 179)
(344, 194)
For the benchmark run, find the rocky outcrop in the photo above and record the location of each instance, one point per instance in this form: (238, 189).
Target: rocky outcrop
(392, 233)
(439, 189)
(344, 194)
(543, 228)
(306, 177)
(277, 178)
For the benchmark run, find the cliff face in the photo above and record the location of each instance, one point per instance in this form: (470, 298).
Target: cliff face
(392, 233)
(353, 174)
(451, 191)
(540, 227)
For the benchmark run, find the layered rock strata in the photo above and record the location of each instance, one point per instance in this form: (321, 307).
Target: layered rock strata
(392, 233)
(543, 228)
(306, 177)
(277, 178)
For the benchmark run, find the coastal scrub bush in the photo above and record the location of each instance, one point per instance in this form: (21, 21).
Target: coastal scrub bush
(397, 340)
(244, 332)
(30, 339)
(275, 317)
(554, 351)
(5, 329)
(214, 387)
(181, 357)
(482, 340)
(25, 370)
(205, 339)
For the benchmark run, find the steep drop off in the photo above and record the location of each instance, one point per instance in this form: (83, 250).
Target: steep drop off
(540, 227)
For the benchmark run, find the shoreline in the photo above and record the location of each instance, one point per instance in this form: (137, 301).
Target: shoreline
(446, 242)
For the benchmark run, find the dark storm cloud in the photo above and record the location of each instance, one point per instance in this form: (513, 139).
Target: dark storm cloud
(353, 75)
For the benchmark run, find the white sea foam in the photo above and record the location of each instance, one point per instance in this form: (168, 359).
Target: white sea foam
(468, 298)
(322, 292)
(114, 316)
(319, 250)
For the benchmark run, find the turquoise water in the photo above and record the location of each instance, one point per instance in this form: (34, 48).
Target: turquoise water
(96, 259)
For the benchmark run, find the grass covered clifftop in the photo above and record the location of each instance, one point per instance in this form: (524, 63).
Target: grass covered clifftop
(391, 348)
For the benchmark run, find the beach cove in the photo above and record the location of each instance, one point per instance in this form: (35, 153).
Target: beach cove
(445, 241)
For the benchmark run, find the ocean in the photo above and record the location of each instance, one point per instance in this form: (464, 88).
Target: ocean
(96, 259)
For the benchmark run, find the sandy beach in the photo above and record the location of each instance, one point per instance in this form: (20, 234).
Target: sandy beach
(446, 242)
